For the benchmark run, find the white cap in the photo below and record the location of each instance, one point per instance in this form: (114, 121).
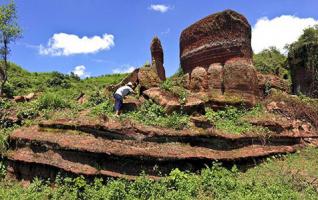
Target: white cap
(130, 84)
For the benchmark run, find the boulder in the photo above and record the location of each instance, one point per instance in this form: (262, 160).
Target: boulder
(268, 81)
(163, 98)
(240, 80)
(30, 96)
(304, 69)
(157, 58)
(19, 98)
(215, 39)
(171, 102)
(131, 103)
(198, 80)
(215, 78)
(148, 78)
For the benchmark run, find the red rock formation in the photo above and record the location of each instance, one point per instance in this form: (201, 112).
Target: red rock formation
(215, 39)
(215, 78)
(240, 81)
(216, 55)
(268, 81)
(157, 57)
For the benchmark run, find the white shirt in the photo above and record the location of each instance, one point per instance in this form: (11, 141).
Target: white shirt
(124, 90)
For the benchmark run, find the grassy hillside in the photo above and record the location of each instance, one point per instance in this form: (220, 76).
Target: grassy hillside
(284, 178)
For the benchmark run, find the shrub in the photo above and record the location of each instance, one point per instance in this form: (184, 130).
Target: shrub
(59, 80)
(96, 99)
(27, 113)
(52, 101)
(5, 104)
(153, 114)
(173, 86)
(103, 109)
(230, 120)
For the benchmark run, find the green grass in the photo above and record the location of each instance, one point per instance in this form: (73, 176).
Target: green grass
(155, 115)
(230, 120)
(280, 177)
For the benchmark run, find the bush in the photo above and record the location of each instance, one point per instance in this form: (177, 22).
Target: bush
(173, 86)
(96, 99)
(153, 114)
(52, 101)
(59, 80)
(5, 104)
(28, 112)
(230, 120)
(104, 109)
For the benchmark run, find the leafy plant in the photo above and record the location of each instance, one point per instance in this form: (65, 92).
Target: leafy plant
(52, 101)
(271, 61)
(153, 114)
(103, 109)
(230, 120)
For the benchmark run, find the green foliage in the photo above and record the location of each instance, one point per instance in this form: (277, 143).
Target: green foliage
(59, 80)
(310, 35)
(287, 177)
(174, 86)
(28, 111)
(104, 109)
(167, 84)
(230, 120)
(5, 104)
(3, 170)
(52, 101)
(271, 61)
(153, 114)
(9, 32)
(4, 134)
(96, 98)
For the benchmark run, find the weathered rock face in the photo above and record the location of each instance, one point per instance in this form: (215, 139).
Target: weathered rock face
(235, 81)
(240, 80)
(269, 81)
(216, 55)
(215, 39)
(198, 81)
(304, 69)
(171, 103)
(157, 58)
(215, 78)
(148, 78)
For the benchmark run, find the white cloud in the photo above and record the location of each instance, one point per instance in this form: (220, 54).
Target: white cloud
(278, 31)
(63, 44)
(80, 71)
(159, 8)
(124, 69)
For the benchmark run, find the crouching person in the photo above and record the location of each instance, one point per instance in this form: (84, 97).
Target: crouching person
(120, 94)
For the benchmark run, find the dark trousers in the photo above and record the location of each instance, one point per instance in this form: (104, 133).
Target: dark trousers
(118, 102)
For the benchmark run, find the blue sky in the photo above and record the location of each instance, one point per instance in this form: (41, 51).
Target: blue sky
(105, 36)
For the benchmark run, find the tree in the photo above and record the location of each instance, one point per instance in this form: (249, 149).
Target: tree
(271, 61)
(9, 32)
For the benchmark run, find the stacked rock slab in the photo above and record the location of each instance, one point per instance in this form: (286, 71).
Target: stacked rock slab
(216, 55)
(304, 69)
(121, 149)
